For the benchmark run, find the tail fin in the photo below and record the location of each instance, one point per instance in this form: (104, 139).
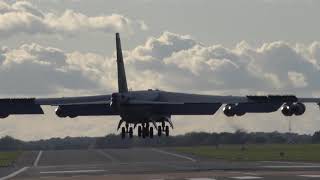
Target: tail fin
(122, 81)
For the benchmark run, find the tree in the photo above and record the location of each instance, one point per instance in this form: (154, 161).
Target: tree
(316, 137)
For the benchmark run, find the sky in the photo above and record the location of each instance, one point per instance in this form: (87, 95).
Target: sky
(225, 47)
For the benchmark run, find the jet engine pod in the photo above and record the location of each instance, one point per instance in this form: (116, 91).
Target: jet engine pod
(60, 112)
(229, 110)
(286, 109)
(3, 115)
(298, 108)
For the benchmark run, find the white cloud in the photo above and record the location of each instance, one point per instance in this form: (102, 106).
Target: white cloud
(198, 67)
(33, 69)
(24, 17)
(297, 79)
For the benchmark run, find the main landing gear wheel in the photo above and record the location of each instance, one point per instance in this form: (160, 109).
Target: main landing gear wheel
(131, 132)
(151, 132)
(139, 131)
(123, 132)
(159, 131)
(143, 133)
(167, 130)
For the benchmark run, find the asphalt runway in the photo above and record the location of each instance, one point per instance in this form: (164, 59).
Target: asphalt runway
(148, 163)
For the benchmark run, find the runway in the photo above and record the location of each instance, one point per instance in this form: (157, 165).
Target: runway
(148, 163)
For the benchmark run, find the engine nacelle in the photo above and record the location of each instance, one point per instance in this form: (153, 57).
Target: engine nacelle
(298, 108)
(63, 112)
(2, 115)
(229, 110)
(60, 112)
(290, 109)
(286, 110)
(232, 110)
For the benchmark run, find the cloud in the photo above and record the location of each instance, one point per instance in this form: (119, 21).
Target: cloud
(24, 17)
(273, 67)
(170, 61)
(34, 69)
(297, 79)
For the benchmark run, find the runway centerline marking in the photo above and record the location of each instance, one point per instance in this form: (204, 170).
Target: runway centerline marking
(290, 162)
(14, 173)
(174, 154)
(36, 162)
(247, 177)
(74, 171)
(107, 155)
(292, 166)
(200, 179)
(310, 176)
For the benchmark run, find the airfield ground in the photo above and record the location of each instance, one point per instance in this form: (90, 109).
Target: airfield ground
(8, 158)
(269, 152)
(150, 163)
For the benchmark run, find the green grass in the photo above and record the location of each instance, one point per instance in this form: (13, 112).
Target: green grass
(7, 158)
(269, 152)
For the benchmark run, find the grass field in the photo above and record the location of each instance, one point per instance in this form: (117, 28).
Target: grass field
(270, 152)
(7, 158)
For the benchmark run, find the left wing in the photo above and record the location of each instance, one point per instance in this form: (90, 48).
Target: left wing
(100, 99)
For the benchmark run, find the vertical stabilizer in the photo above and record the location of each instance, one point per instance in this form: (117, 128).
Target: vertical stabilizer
(122, 81)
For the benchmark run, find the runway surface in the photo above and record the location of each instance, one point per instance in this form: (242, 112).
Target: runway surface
(148, 163)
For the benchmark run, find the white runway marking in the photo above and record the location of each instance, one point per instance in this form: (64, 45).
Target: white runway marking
(36, 162)
(173, 154)
(250, 173)
(201, 179)
(73, 171)
(14, 173)
(247, 177)
(290, 162)
(293, 166)
(104, 154)
(311, 176)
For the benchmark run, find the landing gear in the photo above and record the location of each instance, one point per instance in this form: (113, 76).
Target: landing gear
(159, 131)
(167, 131)
(123, 132)
(131, 132)
(151, 132)
(139, 131)
(126, 130)
(145, 130)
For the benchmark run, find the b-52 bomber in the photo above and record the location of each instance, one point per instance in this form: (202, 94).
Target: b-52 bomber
(151, 110)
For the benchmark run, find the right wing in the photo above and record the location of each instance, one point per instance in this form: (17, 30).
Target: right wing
(67, 106)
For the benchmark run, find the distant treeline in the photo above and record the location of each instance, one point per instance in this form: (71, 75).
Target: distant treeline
(189, 139)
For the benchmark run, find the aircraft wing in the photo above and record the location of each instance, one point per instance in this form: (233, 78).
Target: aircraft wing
(195, 104)
(100, 99)
(73, 106)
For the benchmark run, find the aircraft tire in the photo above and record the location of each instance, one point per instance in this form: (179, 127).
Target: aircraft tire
(151, 132)
(131, 132)
(146, 131)
(123, 132)
(167, 130)
(159, 131)
(139, 131)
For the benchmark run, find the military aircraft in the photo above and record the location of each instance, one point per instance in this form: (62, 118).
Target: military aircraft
(151, 110)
